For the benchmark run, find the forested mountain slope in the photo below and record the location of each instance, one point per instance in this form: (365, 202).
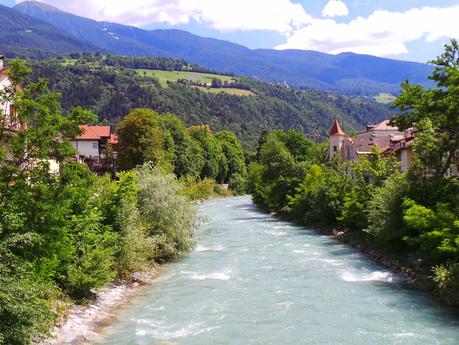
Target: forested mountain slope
(112, 92)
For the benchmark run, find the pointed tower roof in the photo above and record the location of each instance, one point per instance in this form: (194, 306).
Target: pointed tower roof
(336, 129)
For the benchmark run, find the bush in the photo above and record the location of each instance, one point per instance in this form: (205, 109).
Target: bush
(197, 189)
(170, 218)
(25, 313)
(91, 262)
(320, 197)
(433, 233)
(446, 278)
(353, 213)
(385, 217)
(238, 183)
(136, 250)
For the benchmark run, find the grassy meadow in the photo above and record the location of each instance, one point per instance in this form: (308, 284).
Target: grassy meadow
(165, 76)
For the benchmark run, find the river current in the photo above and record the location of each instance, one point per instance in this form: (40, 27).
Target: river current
(253, 279)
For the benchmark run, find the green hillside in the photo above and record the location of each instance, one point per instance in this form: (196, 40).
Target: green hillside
(165, 76)
(112, 92)
(160, 70)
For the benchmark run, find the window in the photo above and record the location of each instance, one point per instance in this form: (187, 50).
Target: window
(335, 148)
(95, 146)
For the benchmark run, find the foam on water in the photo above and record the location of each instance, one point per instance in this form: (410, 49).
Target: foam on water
(382, 276)
(404, 334)
(332, 262)
(164, 331)
(209, 276)
(275, 233)
(201, 248)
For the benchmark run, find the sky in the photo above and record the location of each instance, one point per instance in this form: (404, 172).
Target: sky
(402, 29)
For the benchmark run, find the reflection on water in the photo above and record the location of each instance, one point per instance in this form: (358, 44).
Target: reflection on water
(253, 279)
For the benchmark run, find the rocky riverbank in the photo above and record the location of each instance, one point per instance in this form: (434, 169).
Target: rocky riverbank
(82, 322)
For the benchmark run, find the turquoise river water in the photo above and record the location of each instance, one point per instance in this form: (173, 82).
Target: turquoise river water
(253, 279)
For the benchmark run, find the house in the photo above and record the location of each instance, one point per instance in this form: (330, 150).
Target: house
(8, 118)
(9, 121)
(93, 146)
(389, 140)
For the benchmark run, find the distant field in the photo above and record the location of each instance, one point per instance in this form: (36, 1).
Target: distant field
(385, 98)
(231, 91)
(165, 76)
(173, 76)
(67, 62)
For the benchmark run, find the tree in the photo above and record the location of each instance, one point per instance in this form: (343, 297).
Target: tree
(188, 159)
(214, 159)
(435, 113)
(236, 170)
(140, 139)
(216, 83)
(26, 152)
(34, 212)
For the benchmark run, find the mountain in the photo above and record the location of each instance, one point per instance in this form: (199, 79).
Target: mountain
(347, 73)
(113, 89)
(20, 30)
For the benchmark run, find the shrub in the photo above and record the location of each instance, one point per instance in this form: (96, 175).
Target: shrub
(197, 189)
(385, 217)
(25, 312)
(446, 279)
(170, 218)
(136, 249)
(90, 265)
(238, 183)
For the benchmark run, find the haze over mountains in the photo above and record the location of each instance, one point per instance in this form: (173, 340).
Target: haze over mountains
(346, 73)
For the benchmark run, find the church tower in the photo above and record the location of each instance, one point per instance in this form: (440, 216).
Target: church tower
(336, 136)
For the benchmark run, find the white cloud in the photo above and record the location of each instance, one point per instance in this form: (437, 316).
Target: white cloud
(383, 33)
(335, 8)
(225, 15)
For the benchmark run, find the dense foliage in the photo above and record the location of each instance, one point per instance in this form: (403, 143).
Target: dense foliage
(195, 152)
(414, 215)
(112, 92)
(65, 233)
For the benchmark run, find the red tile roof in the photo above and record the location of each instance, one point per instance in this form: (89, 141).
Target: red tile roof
(383, 126)
(364, 142)
(336, 129)
(94, 132)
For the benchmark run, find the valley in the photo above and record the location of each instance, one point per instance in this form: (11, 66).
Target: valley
(159, 186)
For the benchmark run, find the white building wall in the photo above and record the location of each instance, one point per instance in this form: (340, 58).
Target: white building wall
(5, 107)
(336, 142)
(87, 148)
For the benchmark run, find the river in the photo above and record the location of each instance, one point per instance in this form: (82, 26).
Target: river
(254, 279)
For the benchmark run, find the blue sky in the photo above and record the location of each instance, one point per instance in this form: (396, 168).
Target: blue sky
(402, 29)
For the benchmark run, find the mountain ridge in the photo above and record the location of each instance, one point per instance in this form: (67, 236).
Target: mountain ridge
(346, 73)
(27, 31)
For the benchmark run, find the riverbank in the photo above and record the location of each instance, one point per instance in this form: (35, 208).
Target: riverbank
(81, 323)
